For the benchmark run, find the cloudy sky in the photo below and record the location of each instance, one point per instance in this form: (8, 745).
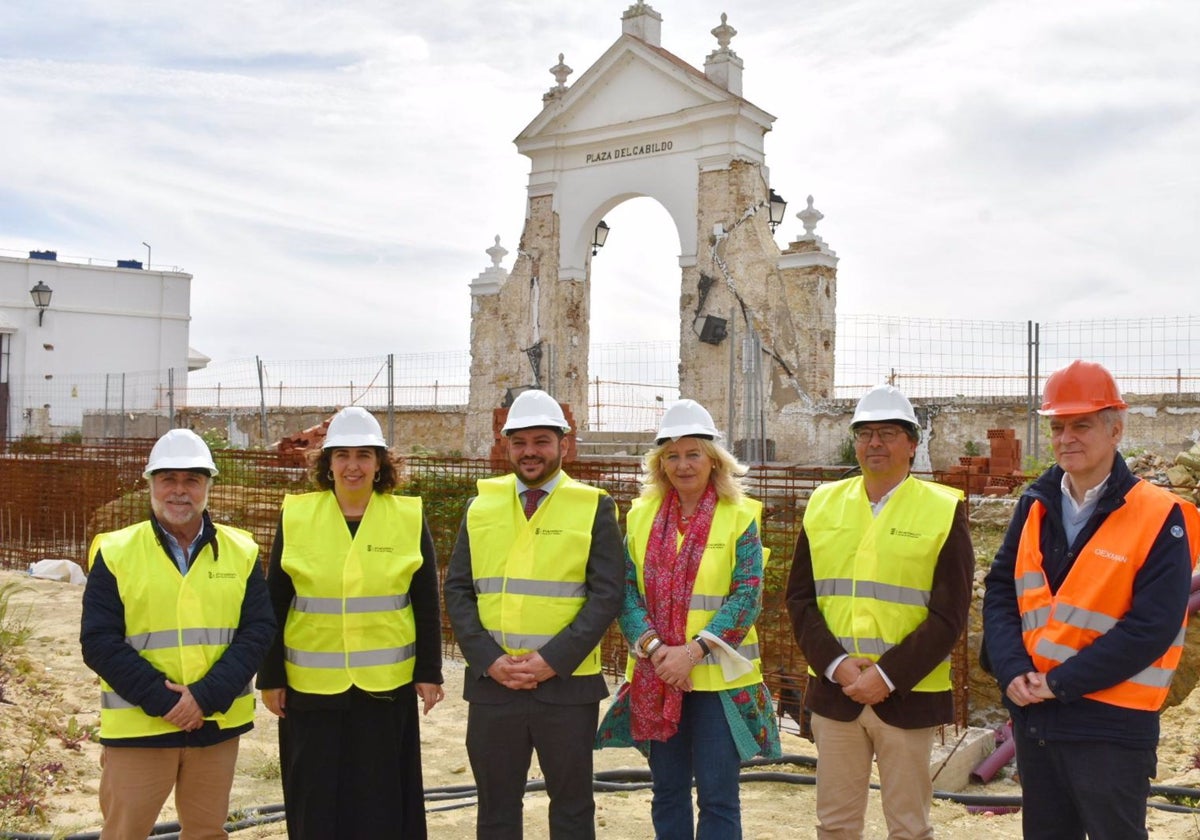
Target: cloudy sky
(331, 173)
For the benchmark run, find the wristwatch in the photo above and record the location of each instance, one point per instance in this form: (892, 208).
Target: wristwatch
(703, 644)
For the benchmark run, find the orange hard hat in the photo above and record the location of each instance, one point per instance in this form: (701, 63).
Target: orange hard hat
(1080, 388)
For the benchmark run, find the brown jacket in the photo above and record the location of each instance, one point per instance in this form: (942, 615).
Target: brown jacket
(906, 663)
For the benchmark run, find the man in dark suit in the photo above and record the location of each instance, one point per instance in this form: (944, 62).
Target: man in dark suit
(536, 577)
(878, 594)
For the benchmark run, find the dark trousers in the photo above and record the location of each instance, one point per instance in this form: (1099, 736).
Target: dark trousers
(353, 772)
(1073, 788)
(501, 739)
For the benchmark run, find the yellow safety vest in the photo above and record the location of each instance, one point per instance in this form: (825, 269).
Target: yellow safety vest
(713, 579)
(531, 575)
(351, 622)
(874, 574)
(180, 624)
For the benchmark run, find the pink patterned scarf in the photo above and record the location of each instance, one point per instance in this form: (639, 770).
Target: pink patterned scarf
(669, 574)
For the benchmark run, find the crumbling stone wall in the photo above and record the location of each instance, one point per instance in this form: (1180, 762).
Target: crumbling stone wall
(534, 330)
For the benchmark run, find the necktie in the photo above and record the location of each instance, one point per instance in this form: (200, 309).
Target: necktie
(532, 497)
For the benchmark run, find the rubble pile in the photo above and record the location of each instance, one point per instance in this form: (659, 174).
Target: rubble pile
(1180, 475)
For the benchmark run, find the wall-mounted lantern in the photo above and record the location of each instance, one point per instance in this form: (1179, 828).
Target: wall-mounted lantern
(599, 237)
(41, 294)
(777, 206)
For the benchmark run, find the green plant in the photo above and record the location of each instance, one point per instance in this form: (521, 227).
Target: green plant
(71, 436)
(75, 734)
(846, 453)
(14, 622)
(971, 448)
(267, 768)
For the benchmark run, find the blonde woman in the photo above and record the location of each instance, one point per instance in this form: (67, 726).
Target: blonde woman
(694, 700)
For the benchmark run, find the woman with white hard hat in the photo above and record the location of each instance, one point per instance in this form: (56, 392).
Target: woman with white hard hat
(353, 578)
(693, 701)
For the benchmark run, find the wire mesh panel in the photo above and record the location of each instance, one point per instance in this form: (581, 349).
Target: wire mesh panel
(57, 499)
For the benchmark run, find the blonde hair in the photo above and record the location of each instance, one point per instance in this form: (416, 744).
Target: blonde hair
(726, 478)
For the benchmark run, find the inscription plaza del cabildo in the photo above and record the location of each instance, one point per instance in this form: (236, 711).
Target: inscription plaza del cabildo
(630, 151)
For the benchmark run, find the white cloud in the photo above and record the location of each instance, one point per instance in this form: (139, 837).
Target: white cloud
(297, 157)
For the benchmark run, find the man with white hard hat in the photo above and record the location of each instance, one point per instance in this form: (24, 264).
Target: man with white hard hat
(878, 595)
(536, 577)
(1084, 615)
(176, 620)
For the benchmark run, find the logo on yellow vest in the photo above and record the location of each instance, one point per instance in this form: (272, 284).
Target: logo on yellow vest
(548, 532)
(900, 532)
(386, 549)
(222, 575)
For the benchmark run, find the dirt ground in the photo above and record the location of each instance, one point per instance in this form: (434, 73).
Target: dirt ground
(48, 684)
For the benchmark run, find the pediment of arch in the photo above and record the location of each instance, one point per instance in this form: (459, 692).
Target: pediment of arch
(631, 84)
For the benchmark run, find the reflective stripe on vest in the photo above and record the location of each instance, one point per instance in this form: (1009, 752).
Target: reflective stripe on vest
(181, 624)
(351, 620)
(874, 574)
(531, 575)
(711, 589)
(1098, 591)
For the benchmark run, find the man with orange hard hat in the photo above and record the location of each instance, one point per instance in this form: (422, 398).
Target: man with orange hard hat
(1084, 618)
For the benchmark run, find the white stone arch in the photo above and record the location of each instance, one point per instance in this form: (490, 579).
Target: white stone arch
(643, 122)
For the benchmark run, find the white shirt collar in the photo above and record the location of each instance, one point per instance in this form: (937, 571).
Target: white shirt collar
(548, 486)
(1089, 496)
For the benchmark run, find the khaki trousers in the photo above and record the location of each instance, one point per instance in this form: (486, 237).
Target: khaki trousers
(135, 782)
(844, 753)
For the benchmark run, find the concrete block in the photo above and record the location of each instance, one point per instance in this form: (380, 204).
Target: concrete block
(951, 763)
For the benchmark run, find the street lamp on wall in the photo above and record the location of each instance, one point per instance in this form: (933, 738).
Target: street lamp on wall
(147, 244)
(599, 237)
(776, 207)
(41, 298)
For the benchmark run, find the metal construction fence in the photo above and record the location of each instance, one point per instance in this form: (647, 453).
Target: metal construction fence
(630, 383)
(57, 499)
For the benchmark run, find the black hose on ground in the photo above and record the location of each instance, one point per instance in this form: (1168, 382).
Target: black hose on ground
(627, 780)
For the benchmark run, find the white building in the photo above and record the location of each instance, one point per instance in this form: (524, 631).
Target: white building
(113, 338)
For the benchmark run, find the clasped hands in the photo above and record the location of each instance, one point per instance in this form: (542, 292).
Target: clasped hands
(186, 713)
(1029, 688)
(674, 666)
(520, 672)
(861, 681)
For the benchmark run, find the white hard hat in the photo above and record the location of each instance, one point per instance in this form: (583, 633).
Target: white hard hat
(353, 426)
(532, 409)
(883, 403)
(180, 449)
(686, 418)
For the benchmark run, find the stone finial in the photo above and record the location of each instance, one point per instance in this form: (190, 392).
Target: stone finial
(809, 249)
(491, 278)
(641, 21)
(560, 72)
(809, 217)
(723, 67)
(724, 33)
(497, 252)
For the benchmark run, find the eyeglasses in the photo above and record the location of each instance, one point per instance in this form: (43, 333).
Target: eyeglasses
(887, 434)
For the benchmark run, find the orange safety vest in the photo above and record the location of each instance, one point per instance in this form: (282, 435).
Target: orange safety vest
(1098, 591)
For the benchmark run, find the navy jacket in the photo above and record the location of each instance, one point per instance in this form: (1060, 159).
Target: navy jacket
(102, 636)
(1141, 636)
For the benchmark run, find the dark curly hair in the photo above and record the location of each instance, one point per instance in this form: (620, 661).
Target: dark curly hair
(320, 462)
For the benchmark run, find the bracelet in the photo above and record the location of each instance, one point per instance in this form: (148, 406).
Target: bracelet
(688, 650)
(654, 644)
(703, 645)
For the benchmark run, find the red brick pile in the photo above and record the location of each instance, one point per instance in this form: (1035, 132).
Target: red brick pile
(294, 448)
(996, 474)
